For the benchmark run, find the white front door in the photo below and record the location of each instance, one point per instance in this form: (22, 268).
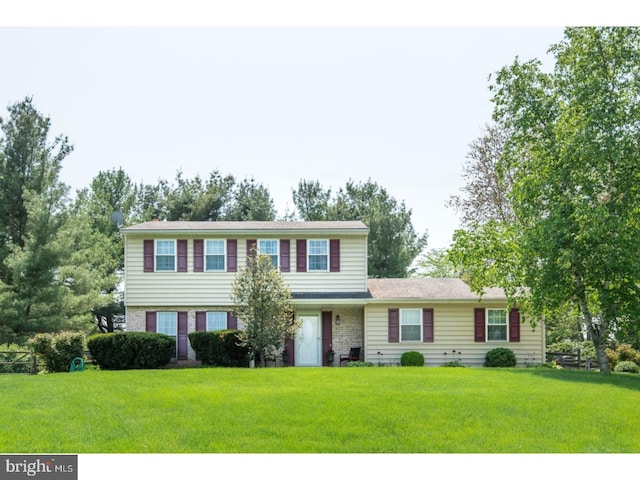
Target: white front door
(308, 340)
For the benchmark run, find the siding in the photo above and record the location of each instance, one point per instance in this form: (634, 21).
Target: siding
(214, 288)
(453, 330)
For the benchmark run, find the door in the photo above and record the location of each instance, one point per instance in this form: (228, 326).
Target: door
(307, 346)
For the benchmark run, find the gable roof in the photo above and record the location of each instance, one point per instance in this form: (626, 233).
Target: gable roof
(432, 289)
(218, 227)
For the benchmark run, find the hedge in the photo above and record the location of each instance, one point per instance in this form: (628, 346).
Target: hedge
(219, 348)
(131, 350)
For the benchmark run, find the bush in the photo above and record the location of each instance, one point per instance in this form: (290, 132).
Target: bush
(453, 363)
(412, 359)
(359, 363)
(220, 348)
(623, 353)
(57, 350)
(627, 366)
(131, 350)
(500, 357)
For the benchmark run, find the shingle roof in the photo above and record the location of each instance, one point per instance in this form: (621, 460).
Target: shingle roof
(186, 226)
(428, 289)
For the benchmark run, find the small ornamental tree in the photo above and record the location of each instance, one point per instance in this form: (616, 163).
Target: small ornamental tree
(263, 303)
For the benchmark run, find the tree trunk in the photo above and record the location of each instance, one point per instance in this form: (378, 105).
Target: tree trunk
(263, 358)
(596, 328)
(598, 336)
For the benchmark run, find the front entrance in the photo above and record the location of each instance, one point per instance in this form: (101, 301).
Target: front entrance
(307, 344)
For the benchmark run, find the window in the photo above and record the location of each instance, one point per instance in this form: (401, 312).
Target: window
(168, 324)
(215, 255)
(269, 247)
(165, 255)
(216, 321)
(318, 255)
(497, 325)
(411, 325)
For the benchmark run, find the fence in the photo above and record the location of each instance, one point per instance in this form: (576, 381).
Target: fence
(18, 361)
(572, 360)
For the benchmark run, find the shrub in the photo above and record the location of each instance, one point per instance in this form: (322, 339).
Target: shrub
(131, 350)
(57, 350)
(220, 348)
(412, 359)
(623, 352)
(453, 363)
(500, 357)
(627, 366)
(359, 363)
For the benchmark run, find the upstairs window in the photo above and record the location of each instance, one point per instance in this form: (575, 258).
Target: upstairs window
(215, 255)
(318, 260)
(270, 248)
(165, 255)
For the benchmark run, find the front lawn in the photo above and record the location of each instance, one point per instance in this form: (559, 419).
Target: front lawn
(312, 410)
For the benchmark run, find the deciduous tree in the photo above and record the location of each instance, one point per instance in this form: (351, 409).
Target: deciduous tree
(573, 148)
(263, 303)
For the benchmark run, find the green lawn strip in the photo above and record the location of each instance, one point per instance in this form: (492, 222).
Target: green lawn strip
(348, 410)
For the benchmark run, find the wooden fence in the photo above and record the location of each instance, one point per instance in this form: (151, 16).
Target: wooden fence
(572, 360)
(18, 361)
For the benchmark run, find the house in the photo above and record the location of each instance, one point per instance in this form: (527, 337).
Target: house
(178, 278)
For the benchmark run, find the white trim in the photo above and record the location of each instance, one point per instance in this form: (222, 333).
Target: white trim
(486, 325)
(224, 254)
(328, 254)
(420, 324)
(156, 254)
(277, 255)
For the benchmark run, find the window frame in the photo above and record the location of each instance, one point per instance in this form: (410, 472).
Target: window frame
(504, 325)
(223, 255)
(157, 255)
(325, 255)
(159, 329)
(207, 319)
(401, 324)
(276, 263)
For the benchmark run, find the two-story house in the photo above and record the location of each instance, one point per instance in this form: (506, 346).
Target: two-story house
(178, 278)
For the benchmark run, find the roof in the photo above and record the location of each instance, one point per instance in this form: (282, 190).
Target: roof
(433, 289)
(354, 227)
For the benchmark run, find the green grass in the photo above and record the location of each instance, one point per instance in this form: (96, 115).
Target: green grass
(312, 410)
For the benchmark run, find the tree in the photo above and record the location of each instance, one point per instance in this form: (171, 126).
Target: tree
(197, 200)
(32, 213)
(312, 201)
(263, 303)
(435, 263)
(485, 195)
(250, 201)
(393, 243)
(573, 147)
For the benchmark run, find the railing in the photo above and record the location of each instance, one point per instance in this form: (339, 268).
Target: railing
(572, 360)
(18, 361)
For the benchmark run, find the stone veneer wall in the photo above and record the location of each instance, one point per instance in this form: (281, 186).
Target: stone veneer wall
(350, 332)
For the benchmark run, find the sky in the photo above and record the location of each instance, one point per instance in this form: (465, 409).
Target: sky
(398, 105)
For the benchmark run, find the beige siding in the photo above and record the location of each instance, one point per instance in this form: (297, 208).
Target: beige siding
(453, 330)
(213, 288)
